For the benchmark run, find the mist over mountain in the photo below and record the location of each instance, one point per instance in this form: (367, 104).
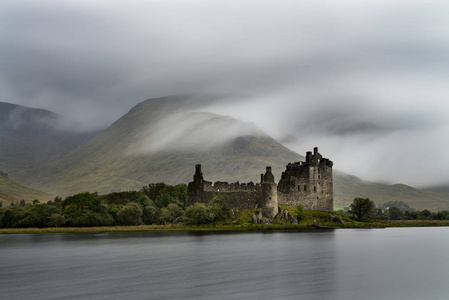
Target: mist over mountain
(31, 137)
(11, 191)
(162, 139)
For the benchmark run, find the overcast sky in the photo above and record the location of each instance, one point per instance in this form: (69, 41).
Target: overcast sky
(366, 81)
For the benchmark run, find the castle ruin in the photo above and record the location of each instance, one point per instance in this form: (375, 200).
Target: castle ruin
(309, 183)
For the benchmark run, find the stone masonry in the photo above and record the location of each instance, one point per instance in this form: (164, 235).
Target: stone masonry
(309, 183)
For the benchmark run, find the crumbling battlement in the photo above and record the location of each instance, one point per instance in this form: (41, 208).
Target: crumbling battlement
(309, 183)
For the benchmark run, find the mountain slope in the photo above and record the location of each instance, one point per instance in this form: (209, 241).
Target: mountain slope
(11, 191)
(162, 140)
(347, 187)
(31, 137)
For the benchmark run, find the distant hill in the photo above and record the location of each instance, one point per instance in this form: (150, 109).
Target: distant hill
(31, 137)
(11, 191)
(162, 139)
(347, 187)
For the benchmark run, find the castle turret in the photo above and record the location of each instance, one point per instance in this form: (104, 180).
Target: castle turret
(195, 188)
(268, 177)
(269, 199)
(198, 176)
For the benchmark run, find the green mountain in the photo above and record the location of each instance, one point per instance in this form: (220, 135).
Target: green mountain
(347, 187)
(162, 140)
(31, 137)
(11, 191)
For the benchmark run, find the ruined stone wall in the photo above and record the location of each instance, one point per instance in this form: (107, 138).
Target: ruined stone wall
(309, 183)
(235, 195)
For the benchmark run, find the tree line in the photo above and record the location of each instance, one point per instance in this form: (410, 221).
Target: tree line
(392, 210)
(160, 204)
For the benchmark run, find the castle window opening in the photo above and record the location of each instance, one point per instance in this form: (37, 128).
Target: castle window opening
(314, 189)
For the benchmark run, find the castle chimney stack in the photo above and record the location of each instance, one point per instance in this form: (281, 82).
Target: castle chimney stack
(198, 176)
(315, 151)
(308, 156)
(268, 177)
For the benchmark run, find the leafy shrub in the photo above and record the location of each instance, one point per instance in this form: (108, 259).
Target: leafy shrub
(299, 211)
(92, 219)
(361, 207)
(218, 209)
(170, 213)
(130, 214)
(197, 214)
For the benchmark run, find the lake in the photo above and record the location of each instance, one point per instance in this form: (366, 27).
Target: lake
(393, 263)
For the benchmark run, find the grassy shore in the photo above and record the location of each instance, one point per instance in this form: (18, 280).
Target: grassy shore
(229, 227)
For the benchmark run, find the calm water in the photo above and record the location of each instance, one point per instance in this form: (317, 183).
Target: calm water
(408, 263)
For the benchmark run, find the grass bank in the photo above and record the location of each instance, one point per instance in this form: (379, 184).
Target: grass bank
(308, 222)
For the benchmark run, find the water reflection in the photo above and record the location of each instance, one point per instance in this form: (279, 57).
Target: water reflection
(343, 264)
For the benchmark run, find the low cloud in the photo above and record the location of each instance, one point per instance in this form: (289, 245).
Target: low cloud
(364, 81)
(191, 130)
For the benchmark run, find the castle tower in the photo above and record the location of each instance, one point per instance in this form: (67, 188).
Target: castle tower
(269, 199)
(196, 187)
(309, 183)
(198, 176)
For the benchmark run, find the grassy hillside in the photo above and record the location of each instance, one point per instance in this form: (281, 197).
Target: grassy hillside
(31, 137)
(122, 157)
(11, 191)
(162, 139)
(347, 187)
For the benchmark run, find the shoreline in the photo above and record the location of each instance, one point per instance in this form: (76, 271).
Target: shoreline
(222, 228)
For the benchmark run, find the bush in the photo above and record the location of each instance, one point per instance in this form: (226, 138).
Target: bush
(395, 213)
(197, 214)
(150, 213)
(92, 219)
(300, 211)
(170, 213)
(56, 220)
(78, 205)
(361, 207)
(130, 214)
(218, 209)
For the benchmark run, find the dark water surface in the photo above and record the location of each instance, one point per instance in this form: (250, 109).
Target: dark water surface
(401, 263)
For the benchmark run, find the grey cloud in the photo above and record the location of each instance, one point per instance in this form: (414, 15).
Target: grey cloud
(366, 76)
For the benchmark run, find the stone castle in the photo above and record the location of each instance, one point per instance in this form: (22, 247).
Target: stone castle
(309, 183)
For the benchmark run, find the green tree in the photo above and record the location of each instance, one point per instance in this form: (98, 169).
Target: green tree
(130, 214)
(361, 207)
(150, 213)
(425, 214)
(12, 216)
(56, 220)
(170, 213)
(399, 204)
(164, 194)
(395, 213)
(218, 209)
(93, 219)
(379, 214)
(86, 210)
(37, 215)
(197, 214)
(300, 211)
